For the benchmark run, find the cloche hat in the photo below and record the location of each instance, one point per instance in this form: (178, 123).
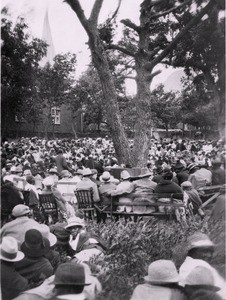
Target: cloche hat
(199, 240)
(125, 175)
(75, 221)
(162, 271)
(20, 210)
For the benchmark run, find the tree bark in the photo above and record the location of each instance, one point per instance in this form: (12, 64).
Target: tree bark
(99, 58)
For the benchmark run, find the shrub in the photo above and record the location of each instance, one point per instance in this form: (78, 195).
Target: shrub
(132, 247)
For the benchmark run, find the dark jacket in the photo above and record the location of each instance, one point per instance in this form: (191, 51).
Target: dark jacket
(12, 283)
(34, 269)
(168, 186)
(182, 176)
(61, 163)
(218, 176)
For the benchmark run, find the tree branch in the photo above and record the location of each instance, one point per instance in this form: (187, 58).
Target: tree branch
(169, 10)
(131, 25)
(76, 7)
(150, 77)
(183, 31)
(93, 19)
(121, 49)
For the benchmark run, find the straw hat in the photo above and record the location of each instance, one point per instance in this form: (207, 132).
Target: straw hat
(162, 271)
(45, 231)
(105, 177)
(125, 175)
(201, 276)
(192, 166)
(70, 274)
(186, 184)
(9, 250)
(53, 171)
(199, 240)
(87, 172)
(35, 245)
(75, 221)
(20, 210)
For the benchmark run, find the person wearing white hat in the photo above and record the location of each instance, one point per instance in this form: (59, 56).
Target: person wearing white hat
(86, 183)
(18, 227)
(161, 283)
(123, 190)
(12, 283)
(200, 250)
(199, 284)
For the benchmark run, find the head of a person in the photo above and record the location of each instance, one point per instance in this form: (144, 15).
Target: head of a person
(35, 245)
(9, 250)
(168, 175)
(192, 168)
(48, 182)
(87, 173)
(30, 179)
(186, 185)
(105, 177)
(20, 210)
(65, 174)
(199, 284)
(200, 247)
(125, 175)
(53, 172)
(75, 225)
(70, 279)
(216, 163)
(162, 272)
(94, 171)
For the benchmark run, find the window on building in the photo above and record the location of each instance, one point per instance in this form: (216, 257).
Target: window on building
(55, 113)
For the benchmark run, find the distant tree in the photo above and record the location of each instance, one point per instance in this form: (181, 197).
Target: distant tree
(202, 53)
(197, 106)
(55, 85)
(20, 56)
(165, 107)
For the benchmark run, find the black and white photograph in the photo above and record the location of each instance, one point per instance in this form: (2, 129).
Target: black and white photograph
(113, 150)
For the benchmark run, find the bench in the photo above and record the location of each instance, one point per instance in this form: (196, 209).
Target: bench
(158, 205)
(209, 193)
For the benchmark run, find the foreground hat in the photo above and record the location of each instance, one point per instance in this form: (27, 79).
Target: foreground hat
(162, 271)
(199, 240)
(125, 175)
(35, 245)
(86, 172)
(201, 276)
(75, 221)
(70, 274)
(105, 177)
(45, 231)
(9, 249)
(20, 210)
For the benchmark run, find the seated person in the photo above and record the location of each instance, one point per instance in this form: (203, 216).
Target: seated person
(12, 283)
(193, 197)
(218, 173)
(144, 187)
(161, 283)
(123, 189)
(34, 266)
(166, 185)
(199, 177)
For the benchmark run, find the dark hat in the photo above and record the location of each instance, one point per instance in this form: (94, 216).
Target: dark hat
(63, 236)
(35, 245)
(70, 274)
(178, 165)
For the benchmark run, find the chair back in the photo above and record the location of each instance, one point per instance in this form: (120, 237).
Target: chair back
(85, 199)
(49, 207)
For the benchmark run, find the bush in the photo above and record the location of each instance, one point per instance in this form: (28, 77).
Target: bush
(132, 247)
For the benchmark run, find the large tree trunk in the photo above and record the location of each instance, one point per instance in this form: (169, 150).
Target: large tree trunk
(143, 121)
(110, 103)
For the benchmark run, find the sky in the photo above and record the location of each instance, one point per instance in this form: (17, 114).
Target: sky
(67, 32)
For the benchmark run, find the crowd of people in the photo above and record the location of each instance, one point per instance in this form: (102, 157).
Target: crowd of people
(53, 261)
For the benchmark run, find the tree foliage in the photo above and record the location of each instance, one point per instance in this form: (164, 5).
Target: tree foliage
(20, 56)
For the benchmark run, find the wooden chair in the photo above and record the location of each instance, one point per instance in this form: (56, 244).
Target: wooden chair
(49, 208)
(85, 202)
